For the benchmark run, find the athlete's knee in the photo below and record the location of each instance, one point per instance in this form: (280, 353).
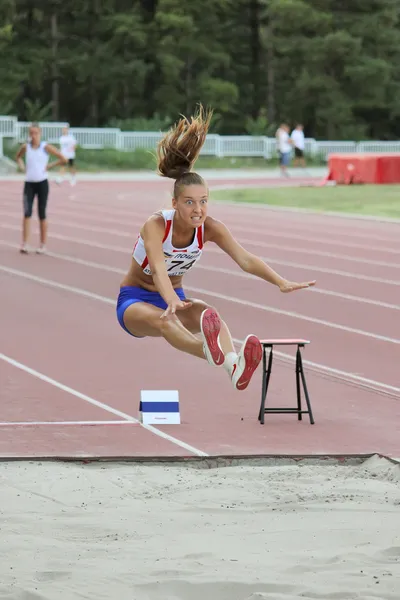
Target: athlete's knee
(198, 306)
(28, 211)
(165, 326)
(202, 306)
(190, 318)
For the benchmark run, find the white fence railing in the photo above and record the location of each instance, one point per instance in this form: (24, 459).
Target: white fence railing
(215, 145)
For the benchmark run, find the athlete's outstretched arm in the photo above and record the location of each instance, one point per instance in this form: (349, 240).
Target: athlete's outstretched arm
(218, 233)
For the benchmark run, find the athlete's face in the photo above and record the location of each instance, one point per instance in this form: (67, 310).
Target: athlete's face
(191, 204)
(34, 133)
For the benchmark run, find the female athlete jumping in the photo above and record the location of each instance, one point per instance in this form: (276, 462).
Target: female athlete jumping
(151, 299)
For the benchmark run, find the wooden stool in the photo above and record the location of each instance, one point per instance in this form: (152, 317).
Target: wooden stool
(266, 374)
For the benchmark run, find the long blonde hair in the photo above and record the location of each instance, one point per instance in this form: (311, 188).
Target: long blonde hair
(179, 149)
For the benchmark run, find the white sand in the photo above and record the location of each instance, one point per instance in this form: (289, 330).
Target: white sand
(144, 532)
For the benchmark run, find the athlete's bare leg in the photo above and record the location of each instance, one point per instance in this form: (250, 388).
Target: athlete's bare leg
(26, 228)
(143, 319)
(190, 317)
(43, 231)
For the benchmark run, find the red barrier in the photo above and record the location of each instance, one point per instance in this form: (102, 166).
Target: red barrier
(364, 168)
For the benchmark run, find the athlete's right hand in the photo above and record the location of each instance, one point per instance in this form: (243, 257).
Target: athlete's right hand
(175, 305)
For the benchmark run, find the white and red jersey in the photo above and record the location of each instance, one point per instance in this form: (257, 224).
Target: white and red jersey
(177, 260)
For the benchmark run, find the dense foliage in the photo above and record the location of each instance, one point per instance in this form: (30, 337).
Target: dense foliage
(138, 64)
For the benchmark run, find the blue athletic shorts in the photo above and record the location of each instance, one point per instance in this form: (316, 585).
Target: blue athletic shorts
(129, 295)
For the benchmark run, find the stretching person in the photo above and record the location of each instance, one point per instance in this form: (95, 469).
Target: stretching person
(151, 299)
(36, 154)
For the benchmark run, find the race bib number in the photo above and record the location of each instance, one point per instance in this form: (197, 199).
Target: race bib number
(180, 263)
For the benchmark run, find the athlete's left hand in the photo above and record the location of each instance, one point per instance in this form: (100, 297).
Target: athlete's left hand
(290, 286)
(173, 306)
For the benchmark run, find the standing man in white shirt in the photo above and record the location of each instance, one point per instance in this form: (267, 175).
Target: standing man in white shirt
(298, 143)
(36, 166)
(68, 146)
(284, 147)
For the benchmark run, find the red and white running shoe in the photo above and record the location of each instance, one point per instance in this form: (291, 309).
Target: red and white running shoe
(210, 325)
(249, 357)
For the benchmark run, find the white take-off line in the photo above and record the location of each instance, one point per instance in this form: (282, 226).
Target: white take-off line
(110, 301)
(101, 405)
(63, 423)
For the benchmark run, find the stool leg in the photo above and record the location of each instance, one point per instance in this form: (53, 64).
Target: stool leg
(303, 379)
(298, 390)
(265, 382)
(263, 386)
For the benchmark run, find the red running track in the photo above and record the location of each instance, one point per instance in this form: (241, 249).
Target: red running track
(71, 377)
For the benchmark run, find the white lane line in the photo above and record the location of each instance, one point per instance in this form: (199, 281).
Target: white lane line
(260, 244)
(295, 315)
(287, 263)
(270, 260)
(94, 296)
(62, 423)
(328, 225)
(264, 307)
(90, 400)
(107, 215)
(323, 368)
(317, 252)
(67, 238)
(264, 232)
(355, 298)
(87, 263)
(76, 225)
(367, 383)
(314, 290)
(324, 216)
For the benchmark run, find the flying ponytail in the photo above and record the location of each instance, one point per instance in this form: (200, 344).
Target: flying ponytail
(179, 149)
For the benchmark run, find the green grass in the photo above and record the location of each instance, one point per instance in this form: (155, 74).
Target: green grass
(109, 159)
(114, 160)
(374, 200)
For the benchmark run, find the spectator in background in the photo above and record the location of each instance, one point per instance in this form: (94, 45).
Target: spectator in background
(68, 146)
(297, 138)
(284, 147)
(36, 166)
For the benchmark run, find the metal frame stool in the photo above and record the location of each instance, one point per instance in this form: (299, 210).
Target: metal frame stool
(266, 374)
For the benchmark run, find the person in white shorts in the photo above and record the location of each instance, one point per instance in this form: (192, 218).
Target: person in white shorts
(68, 147)
(284, 147)
(36, 153)
(297, 138)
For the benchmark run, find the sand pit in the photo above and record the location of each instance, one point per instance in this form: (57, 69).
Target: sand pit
(161, 532)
